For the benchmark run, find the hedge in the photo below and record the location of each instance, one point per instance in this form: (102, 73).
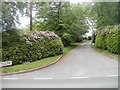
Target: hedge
(66, 39)
(107, 38)
(34, 46)
(11, 37)
(113, 40)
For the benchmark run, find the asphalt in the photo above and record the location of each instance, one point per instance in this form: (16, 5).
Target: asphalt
(81, 62)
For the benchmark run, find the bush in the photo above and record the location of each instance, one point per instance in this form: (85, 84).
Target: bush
(89, 38)
(107, 38)
(66, 39)
(85, 38)
(78, 38)
(37, 45)
(11, 37)
(113, 40)
(100, 41)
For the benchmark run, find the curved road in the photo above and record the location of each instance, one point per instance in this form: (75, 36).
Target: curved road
(81, 62)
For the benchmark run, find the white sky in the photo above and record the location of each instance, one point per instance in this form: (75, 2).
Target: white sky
(76, 1)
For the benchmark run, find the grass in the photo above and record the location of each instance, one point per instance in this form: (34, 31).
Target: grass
(106, 52)
(27, 66)
(67, 49)
(39, 63)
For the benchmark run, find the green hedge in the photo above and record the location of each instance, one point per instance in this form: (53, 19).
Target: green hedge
(113, 40)
(35, 46)
(11, 37)
(66, 39)
(100, 41)
(107, 38)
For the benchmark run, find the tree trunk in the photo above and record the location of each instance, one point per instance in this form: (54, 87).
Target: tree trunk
(30, 16)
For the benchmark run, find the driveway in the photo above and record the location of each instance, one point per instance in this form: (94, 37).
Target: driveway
(81, 62)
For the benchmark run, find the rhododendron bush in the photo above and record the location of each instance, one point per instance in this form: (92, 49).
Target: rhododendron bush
(107, 38)
(34, 46)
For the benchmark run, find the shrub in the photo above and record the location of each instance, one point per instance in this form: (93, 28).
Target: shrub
(107, 38)
(35, 46)
(85, 38)
(66, 39)
(77, 38)
(89, 38)
(11, 37)
(100, 41)
(112, 40)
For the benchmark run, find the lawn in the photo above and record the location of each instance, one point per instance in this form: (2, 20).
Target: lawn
(39, 63)
(27, 66)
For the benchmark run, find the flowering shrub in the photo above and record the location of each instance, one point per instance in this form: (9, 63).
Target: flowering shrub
(108, 38)
(35, 46)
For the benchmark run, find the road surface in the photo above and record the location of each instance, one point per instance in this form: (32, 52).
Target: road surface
(81, 63)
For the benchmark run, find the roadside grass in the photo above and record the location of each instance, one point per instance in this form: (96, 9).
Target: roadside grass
(27, 66)
(39, 63)
(68, 48)
(106, 52)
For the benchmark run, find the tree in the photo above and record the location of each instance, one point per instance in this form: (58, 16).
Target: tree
(10, 14)
(33, 7)
(30, 16)
(106, 13)
(65, 19)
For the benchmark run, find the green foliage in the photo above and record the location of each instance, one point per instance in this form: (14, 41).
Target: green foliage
(66, 39)
(106, 13)
(78, 38)
(27, 66)
(65, 19)
(106, 52)
(34, 47)
(11, 37)
(89, 37)
(38, 63)
(113, 40)
(100, 42)
(10, 14)
(38, 26)
(84, 38)
(107, 38)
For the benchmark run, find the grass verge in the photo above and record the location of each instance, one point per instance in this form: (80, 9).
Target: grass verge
(106, 52)
(27, 66)
(68, 48)
(39, 63)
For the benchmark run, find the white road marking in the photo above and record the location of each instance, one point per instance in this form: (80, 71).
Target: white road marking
(78, 77)
(11, 78)
(41, 78)
(14, 75)
(111, 75)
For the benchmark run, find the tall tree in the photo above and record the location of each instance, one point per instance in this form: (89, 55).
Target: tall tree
(65, 19)
(10, 14)
(106, 13)
(30, 16)
(60, 17)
